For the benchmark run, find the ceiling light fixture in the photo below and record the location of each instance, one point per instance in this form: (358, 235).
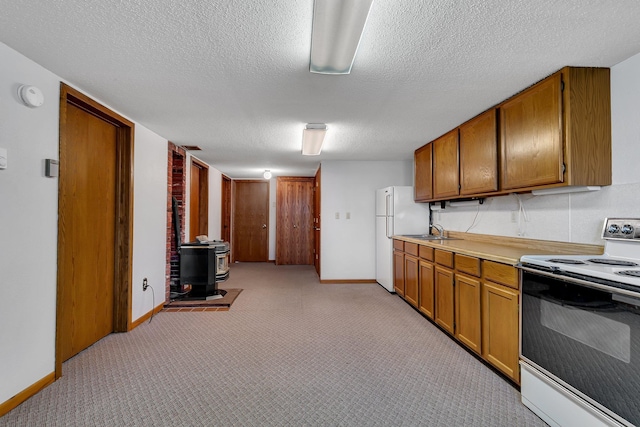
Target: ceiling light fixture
(312, 138)
(267, 174)
(337, 29)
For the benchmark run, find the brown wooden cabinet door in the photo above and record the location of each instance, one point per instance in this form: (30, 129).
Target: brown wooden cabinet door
(444, 298)
(468, 328)
(479, 155)
(426, 294)
(411, 269)
(500, 328)
(446, 178)
(423, 170)
(531, 136)
(398, 272)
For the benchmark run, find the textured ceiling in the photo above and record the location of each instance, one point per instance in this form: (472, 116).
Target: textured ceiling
(233, 76)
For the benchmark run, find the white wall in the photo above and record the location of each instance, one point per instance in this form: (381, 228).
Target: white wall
(149, 220)
(576, 217)
(28, 226)
(28, 214)
(348, 245)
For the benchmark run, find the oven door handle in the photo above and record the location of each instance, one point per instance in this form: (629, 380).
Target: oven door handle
(559, 274)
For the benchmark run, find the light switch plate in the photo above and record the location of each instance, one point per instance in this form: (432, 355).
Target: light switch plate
(3, 158)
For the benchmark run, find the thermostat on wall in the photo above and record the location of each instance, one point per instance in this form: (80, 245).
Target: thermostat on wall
(31, 96)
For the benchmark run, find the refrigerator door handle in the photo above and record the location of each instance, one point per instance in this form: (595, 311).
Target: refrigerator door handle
(386, 205)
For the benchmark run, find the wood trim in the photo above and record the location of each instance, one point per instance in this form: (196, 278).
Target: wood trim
(147, 316)
(347, 281)
(25, 394)
(124, 208)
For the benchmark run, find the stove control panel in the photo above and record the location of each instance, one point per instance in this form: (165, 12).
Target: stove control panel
(621, 229)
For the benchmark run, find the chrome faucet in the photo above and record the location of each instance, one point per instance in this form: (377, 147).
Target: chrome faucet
(439, 228)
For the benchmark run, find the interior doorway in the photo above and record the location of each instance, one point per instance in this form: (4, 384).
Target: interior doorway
(294, 220)
(225, 202)
(95, 224)
(316, 220)
(250, 241)
(198, 200)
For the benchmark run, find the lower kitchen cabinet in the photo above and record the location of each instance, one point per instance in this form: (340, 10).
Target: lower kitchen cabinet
(467, 312)
(443, 279)
(411, 272)
(500, 328)
(427, 290)
(398, 272)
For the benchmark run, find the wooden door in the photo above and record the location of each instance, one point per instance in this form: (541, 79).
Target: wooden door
(316, 221)
(88, 229)
(443, 279)
(95, 224)
(294, 220)
(468, 312)
(479, 154)
(531, 136)
(426, 296)
(446, 175)
(500, 328)
(198, 200)
(225, 202)
(411, 269)
(250, 221)
(423, 173)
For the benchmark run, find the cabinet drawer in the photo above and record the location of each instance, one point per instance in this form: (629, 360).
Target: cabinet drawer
(501, 273)
(426, 253)
(398, 245)
(468, 264)
(411, 248)
(444, 258)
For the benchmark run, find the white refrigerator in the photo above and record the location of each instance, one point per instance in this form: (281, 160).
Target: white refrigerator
(396, 213)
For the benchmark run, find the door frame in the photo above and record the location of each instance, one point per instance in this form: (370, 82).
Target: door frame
(124, 210)
(203, 197)
(225, 214)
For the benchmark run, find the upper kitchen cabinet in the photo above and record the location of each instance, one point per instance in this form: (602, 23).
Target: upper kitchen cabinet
(479, 154)
(446, 178)
(558, 132)
(423, 173)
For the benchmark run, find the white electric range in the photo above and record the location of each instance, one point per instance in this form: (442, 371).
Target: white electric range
(580, 332)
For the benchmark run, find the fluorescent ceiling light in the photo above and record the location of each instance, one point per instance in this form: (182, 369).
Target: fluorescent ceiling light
(337, 30)
(312, 138)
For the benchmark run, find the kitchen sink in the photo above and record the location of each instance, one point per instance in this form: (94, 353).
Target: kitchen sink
(429, 237)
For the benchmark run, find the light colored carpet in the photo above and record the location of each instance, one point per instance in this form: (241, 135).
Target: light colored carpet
(289, 352)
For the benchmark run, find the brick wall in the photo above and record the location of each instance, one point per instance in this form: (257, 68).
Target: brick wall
(176, 179)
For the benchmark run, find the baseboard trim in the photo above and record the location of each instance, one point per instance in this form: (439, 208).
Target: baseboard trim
(25, 394)
(146, 317)
(347, 281)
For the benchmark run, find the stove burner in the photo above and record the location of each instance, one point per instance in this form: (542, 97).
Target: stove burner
(607, 261)
(566, 261)
(632, 273)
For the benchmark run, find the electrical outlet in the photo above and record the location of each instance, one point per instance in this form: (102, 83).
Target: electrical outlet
(145, 284)
(514, 216)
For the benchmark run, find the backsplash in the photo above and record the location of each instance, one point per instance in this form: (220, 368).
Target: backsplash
(572, 217)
